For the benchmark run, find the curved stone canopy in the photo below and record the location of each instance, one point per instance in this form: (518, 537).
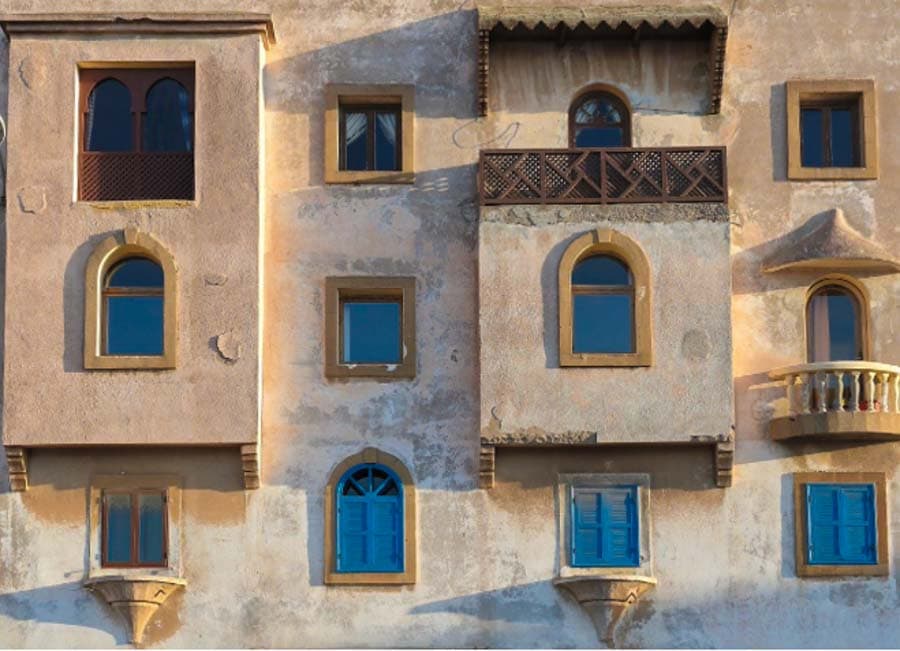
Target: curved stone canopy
(828, 241)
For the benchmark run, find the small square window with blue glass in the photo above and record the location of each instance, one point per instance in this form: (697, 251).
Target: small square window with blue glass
(134, 528)
(841, 527)
(605, 527)
(370, 137)
(371, 330)
(830, 133)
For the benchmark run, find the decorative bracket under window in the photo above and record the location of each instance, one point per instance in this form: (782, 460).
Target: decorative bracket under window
(606, 598)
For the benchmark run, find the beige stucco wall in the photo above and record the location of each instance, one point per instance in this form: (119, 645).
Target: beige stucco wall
(49, 398)
(253, 560)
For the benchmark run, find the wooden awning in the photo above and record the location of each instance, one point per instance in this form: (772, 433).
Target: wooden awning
(828, 242)
(605, 23)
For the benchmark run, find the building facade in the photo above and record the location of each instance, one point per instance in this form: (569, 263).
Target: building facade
(450, 324)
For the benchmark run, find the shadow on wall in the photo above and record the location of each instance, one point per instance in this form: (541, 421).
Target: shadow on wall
(778, 121)
(66, 604)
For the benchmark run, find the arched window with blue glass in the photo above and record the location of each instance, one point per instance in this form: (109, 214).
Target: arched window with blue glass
(168, 120)
(109, 121)
(371, 506)
(599, 117)
(604, 302)
(130, 299)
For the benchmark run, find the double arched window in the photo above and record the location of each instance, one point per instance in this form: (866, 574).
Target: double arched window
(370, 520)
(604, 302)
(836, 322)
(599, 118)
(130, 304)
(137, 134)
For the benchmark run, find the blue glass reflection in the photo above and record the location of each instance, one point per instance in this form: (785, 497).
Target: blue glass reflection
(601, 270)
(151, 519)
(600, 137)
(108, 122)
(842, 145)
(168, 124)
(386, 141)
(355, 141)
(812, 146)
(134, 325)
(118, 528)
(136, 272)
(372, 332)
(602, 323)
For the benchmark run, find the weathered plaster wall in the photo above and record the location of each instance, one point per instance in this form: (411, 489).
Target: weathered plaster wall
(204, 400)
(253, 560)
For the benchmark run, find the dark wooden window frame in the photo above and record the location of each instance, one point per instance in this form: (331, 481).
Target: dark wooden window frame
(370, 110)
(826, 106)
(138, 81)
(606, 290)
(613, 99)
(109, 292)
(135, 527)
(389, 295)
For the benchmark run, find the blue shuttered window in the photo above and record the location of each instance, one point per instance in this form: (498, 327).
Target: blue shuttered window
(369, 520)
(605, 527)
(841, 524)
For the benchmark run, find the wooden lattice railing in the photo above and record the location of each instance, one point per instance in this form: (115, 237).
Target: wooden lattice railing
(123, 176)
(613, 175)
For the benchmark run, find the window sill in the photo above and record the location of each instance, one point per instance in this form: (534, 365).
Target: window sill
(369, 178)
(602, 359)
(835, 571)
(868, 173)
(128, 363)
(373, 578)
(135, 204)
(135, 597)
(404, 371)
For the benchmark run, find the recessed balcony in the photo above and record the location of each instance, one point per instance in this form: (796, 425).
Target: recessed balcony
(838, 400)
(613, 175)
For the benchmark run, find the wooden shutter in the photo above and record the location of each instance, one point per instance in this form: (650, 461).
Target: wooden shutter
(605, 527)
(841, 524)
(370, 522)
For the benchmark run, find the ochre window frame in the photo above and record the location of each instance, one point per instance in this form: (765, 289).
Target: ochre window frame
(367, 95)
(374, 288)
(408, 576)
(879, 480)
(104, 257)
(862, 91)
(604, 241)
(858, 292)
(138, 78)
(607, 91)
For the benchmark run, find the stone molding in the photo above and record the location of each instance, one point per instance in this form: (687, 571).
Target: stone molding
(135, 598)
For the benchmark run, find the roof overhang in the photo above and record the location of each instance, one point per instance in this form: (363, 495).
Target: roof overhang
(828, 242)
(605, 23)
(189, 24)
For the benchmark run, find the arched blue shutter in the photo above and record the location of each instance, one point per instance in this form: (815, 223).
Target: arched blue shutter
(369, 520)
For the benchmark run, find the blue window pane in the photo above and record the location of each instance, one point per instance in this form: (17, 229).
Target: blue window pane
(841, 524)
(371, 332)
(812, 144)
(356, 141)
(833, 327)
(118, 528)
(136, 272)
(168, 125)
(134, 325)
(151, 521)
(600, 137)
(386, 141)
(601, 270)
(603, 323)
(369, 521)
(842, 145)
(108, 123)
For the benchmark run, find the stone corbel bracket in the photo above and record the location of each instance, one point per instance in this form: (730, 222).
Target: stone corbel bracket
(135, 598)
(17, 466)
(487, 463)
(724, 461)
(250, 465)
(606, 598)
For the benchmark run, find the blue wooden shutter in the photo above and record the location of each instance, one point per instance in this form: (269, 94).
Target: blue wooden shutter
(841, 524)
(605, 527)
(369, 521)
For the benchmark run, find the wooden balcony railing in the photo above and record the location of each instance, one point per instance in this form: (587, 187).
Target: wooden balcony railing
(123, 176)
(613, 175)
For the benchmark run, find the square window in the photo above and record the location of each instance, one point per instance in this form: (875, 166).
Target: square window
(370, 327)
(605, 527)
(137, 133)
(369, 134)
(841, 527)
(831, 130)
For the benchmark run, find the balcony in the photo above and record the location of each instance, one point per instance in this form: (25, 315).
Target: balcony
(838, 400)
(603, 176)
(124, 176)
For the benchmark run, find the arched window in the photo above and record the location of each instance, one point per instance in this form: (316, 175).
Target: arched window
(835, 322)
(108, 123)
(602, 306)
(130, 304)
(599, 118)
(133, 304)
(370, 516)
(168, 120)
(604, 302)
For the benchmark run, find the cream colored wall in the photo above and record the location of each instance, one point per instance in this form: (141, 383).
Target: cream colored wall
(49, 398)
(724, 558)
